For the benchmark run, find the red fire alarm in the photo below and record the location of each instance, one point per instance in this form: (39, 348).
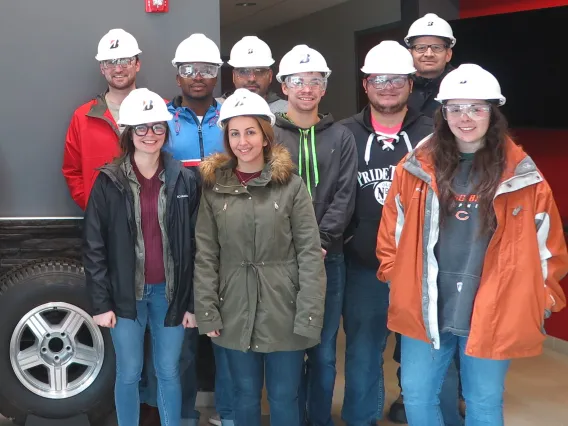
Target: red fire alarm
(157, 6)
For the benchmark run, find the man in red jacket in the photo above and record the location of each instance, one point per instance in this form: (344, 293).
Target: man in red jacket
(92, 137)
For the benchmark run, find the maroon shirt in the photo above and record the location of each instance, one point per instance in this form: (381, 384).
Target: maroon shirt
(244, 178)
(154, 270)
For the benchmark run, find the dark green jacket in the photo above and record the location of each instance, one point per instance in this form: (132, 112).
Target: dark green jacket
(259, 272)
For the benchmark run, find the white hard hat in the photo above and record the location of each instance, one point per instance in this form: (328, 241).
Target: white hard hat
(302, 59)
(250, 51)
(470, 81)
(117, 44)
(244, 102)
(197, 48)
(388, 57)
(430, 25)
(143, 106)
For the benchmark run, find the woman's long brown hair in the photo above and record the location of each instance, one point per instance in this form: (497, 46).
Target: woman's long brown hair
(488, 164)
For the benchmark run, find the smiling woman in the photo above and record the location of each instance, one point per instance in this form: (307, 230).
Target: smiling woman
(491, 236)
(138, 254)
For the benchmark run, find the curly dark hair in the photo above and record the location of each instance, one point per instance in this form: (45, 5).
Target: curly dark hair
(488, 163)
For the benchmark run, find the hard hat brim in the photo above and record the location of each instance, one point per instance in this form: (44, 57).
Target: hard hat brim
(159, 117)
(237, 64)
(101, 58)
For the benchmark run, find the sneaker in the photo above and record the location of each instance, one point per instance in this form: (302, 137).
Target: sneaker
(215, 419)
(397, 413)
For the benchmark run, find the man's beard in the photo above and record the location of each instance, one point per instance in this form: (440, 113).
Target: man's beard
(391, 109)
(128, 82)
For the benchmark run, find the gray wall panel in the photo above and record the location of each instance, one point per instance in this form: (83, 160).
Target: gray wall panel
(48, 68)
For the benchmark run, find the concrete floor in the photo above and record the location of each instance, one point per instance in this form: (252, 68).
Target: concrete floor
(536, 390)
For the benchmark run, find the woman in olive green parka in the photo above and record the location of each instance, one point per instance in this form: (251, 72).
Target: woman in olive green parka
(259, 275)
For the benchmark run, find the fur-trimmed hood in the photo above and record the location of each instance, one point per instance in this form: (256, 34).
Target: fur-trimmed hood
(280, 168)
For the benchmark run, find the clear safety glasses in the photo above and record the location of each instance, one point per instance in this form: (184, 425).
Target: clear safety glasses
(158, 129)
(256, 72)
(121, 62)
(380, 82)
(192, 70)
(298, 83)
(436, 48)
(474, 111)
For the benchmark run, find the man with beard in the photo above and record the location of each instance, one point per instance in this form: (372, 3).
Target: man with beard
(194, 135)
(251, 58)
(385, 131)
(430, 40)
(194, 131)
(92, 136)
(325, 155)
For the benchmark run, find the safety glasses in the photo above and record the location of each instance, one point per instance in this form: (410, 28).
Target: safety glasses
(436, 48)
(192, 70)
(121, 62)
(256, 72)
(380, 82)
(298, 83)
(474, 111)
(158, 129)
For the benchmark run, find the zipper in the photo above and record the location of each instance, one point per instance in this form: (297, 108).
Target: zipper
(201, 148)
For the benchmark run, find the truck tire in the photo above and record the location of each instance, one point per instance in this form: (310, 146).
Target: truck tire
(55, 362)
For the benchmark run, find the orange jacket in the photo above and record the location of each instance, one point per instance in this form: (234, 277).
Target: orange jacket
(524, 263)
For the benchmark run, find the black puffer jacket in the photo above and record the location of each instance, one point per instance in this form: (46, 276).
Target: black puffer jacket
(424, 93)
(110, 234)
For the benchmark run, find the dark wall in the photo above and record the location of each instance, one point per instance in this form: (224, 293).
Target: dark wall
(48, 68)
(524, 50)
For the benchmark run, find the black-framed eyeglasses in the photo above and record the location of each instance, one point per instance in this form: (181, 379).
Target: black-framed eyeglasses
(436, 48)
(158, 129)
(192, 70)
(247, 72)
(380, 82)
(473, 111)
(120, 62)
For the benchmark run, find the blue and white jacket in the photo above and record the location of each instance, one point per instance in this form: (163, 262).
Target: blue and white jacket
(192, 141)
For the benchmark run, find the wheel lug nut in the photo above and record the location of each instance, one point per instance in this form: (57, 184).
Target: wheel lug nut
(68, 348)
(62, 334)
(48, 335)
(44, 350)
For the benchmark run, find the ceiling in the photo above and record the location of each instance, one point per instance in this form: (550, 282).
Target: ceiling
(267, 13)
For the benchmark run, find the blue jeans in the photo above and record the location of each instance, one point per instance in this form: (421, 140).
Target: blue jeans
(188, 377)
(316, 392)
(365, 323)
(223, 386)
(423, 371)
(128, 340)
(283, 374)
(451, 388)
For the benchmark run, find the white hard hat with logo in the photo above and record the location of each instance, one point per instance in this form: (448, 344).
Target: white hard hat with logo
(250, 52)
(470, 81)
(143, 106)
(197, 48)
(302, 59)
(117, 44)
(430, 25)
(244, 102)
(388, 57)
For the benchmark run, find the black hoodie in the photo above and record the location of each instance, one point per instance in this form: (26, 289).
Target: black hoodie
(424, 92)
(376, 170)
(327, 163)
